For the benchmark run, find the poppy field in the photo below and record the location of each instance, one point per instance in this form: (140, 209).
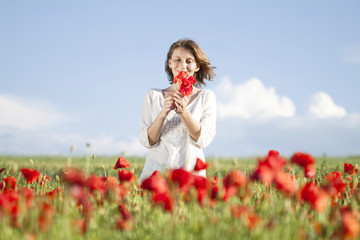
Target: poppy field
(269, 197)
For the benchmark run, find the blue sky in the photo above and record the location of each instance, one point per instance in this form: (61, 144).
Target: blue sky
(76, 72)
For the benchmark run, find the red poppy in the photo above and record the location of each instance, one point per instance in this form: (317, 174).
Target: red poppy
(203, 187)
(200, 182)
(182, 75)
(200, 165)
(44, 179)
(9, 183)
(268, 167)
(186, 87)
(202, 194)
(29, 195)
(82, 199)
(9, 204)
(111, 183)
(78, 192)
(45, 217)
(285, 183)
(214, 188)
(126, 176)
(121, 163)
(164, 200)
(74, 176)
(54, 193)
(333, 175)
(121, 191)
(302, 159)
(351, 183)
(30, 175)
(235, 178)
(126, 215)
(214, 180)
(263, 173)
(232, 183)
(2, 169)
(94, 182)
(156, 182)
(274, 160)
(350, 169)
(124, 223)
(350, 223)
(184, 178)
(335, 185)
(316, 196)
(114, 189)
(306, 161)
(185, 82)
(309, 171)
(230, 191)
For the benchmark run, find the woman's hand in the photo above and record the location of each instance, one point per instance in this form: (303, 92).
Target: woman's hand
(180, 102)
(154, 130)
(192, 126)
(168, 104)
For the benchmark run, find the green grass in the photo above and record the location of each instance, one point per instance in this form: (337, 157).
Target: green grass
(280, 217)
(50, 165)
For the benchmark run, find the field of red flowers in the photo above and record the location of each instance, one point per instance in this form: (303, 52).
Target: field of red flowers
(274, 198)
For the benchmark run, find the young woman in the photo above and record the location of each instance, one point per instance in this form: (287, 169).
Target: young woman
(174, 127)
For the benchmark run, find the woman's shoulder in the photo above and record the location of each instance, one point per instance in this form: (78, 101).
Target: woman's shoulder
(207, 93)
(153, 92)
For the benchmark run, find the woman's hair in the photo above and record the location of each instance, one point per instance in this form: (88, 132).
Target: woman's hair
(205, 72)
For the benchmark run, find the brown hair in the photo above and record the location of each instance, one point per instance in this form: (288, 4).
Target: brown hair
(205, 72)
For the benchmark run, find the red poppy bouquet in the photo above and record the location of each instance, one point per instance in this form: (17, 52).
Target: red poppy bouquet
(185, 82)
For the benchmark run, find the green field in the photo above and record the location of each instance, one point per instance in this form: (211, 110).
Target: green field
(50, 165)
(256, 211)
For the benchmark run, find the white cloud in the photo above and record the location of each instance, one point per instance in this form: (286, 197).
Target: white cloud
(250, 100)
(55, 143)
(108, 144)
(322, 106)
(334, 136)
(25, 128)
(26, 114)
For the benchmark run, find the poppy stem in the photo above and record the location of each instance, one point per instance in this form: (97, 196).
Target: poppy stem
(87, 166)
(104, 170)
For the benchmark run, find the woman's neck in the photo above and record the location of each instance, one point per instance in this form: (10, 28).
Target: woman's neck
(173, 88)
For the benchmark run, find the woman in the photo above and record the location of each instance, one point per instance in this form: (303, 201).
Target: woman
(174, 127)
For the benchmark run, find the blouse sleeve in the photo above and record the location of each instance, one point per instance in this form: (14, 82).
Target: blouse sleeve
(146, 120)
(207, 121)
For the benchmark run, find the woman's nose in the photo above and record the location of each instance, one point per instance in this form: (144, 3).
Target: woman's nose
(183, 65)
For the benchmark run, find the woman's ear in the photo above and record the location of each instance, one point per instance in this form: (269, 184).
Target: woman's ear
(197, 68)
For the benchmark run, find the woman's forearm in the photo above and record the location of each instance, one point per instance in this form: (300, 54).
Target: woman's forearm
(192, 126)
(154, 130)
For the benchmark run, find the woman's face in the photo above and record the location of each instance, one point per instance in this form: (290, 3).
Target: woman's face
(183, 60)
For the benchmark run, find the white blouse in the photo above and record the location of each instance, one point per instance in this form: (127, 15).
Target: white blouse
(176, 149)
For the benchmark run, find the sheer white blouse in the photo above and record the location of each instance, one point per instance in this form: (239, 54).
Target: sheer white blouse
(176, 149)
